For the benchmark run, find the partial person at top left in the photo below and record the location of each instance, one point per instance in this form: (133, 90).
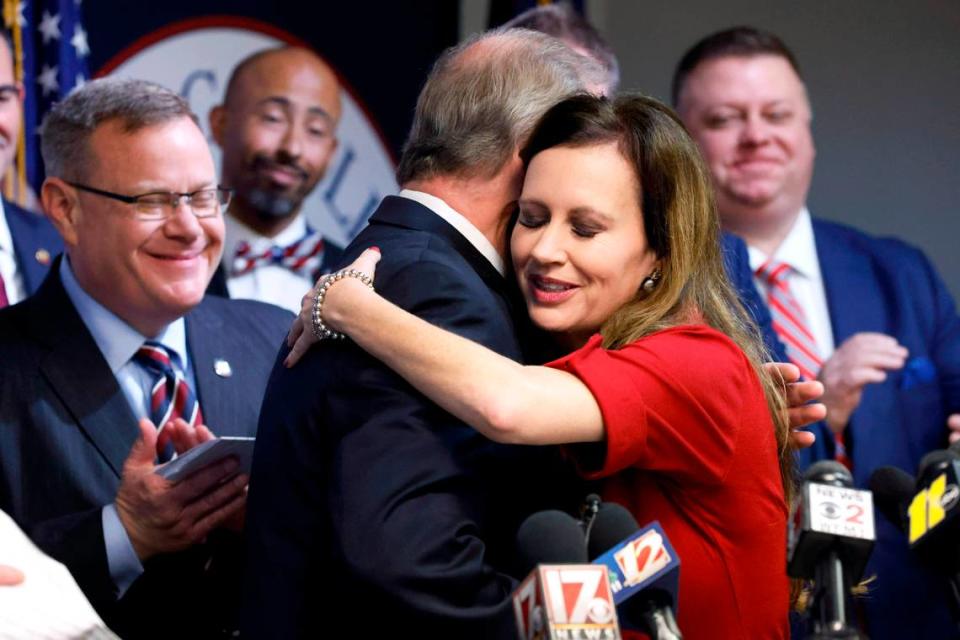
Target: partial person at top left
(277, 130)
(28, 242)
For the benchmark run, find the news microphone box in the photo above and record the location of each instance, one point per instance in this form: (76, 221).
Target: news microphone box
(643, 560)
(830, 517)
(566, 602)
(933, 511)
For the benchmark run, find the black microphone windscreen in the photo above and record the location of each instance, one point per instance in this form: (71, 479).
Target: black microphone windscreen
(955, 447)
(612, 524)
(550, 537)
(933, 461)
(892, 491)
(829, 472)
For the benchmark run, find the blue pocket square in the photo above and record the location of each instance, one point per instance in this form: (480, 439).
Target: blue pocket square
(918, 371)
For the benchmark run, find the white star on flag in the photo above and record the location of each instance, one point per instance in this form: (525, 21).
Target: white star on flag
(48, 79)
(79, 42)
(79, 82)
(50, 27)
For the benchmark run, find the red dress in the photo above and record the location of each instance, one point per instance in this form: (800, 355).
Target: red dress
(690, 443)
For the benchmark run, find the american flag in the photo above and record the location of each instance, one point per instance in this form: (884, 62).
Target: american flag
(50, 57)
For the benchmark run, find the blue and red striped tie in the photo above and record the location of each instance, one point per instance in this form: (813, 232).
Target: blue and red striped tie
(303, 257)
(170, 395)
(790, 323)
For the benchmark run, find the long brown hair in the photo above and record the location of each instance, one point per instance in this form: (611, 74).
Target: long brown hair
(682, 228)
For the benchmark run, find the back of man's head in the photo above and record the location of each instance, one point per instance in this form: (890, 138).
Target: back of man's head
(482, 99)
(744, 42)
(562, 21)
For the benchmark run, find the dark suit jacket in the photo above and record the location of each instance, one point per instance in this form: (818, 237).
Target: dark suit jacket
(66, 429)
(32, 234)
(332, 255)
(371, 510)
(887, 286)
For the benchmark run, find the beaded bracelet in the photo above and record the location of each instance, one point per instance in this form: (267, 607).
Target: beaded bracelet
(320, 330)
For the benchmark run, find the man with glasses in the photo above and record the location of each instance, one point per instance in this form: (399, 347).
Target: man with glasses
(121, 331)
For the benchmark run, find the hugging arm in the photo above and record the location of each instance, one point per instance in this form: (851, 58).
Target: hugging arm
(503, 400)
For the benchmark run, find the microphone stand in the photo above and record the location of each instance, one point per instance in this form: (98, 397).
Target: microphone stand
(830, 601)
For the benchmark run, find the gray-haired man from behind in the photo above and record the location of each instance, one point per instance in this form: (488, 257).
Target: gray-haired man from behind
(365, 497)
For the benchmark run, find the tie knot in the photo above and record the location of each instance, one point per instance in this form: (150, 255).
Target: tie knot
(773, 271)
(156, 357)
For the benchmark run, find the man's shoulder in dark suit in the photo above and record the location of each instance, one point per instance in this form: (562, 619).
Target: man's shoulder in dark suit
(359, 478)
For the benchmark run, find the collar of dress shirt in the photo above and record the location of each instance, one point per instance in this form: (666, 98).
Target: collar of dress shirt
(118, 341)
(6, 239)
(236, 232)
(460, 223)
(798, 249)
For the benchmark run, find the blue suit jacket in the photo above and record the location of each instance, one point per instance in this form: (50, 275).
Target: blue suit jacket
(66, 429)
(886, 286)
(737, 262)
(35, 244)
(365, 496)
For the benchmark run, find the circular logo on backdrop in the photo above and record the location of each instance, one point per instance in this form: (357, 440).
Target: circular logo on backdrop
(195, 58)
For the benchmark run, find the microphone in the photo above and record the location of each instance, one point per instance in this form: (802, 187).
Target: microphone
(588, 512)
(892, 490)
(933, 518)
(644, 571)
(831, 535)
(563, 596)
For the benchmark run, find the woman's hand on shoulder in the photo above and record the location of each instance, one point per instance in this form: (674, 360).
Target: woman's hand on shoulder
(301, 336)
(800, 396)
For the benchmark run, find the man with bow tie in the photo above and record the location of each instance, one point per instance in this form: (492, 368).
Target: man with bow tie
(277, 129)
(119, 354)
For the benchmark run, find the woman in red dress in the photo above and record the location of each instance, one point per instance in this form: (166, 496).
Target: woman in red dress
(616, 251)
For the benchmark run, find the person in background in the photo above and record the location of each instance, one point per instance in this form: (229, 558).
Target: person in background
(868, 317)
(277, 129)
(28, 242)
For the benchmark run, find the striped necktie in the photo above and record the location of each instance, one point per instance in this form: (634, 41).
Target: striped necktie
(303, 257)
(790, 324)
(170, 395)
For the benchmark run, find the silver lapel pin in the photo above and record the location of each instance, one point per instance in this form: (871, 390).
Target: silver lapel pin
(222, 368)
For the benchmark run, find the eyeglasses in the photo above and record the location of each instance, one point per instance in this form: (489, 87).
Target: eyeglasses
(160, 205)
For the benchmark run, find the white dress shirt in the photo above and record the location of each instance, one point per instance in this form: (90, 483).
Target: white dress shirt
(12, 278)
(799, 250)
(270, 283)
(460, 223)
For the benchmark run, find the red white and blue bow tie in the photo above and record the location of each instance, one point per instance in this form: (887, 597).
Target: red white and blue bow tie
(303, 257)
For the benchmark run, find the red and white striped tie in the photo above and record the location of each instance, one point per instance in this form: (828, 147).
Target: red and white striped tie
(790, 323)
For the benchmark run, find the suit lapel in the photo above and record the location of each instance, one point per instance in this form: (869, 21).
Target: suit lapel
(403, 212)
(207, 343)
(80, 377)
(853, 300)
(26, 248)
